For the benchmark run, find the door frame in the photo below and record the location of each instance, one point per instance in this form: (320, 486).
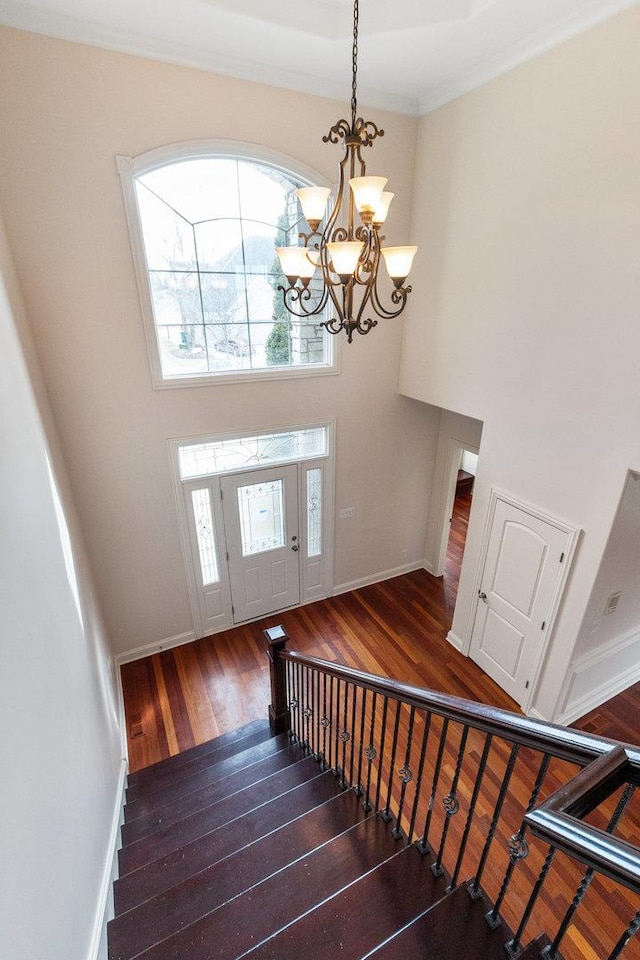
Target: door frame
(308, 594)
(572, 534)
(454, 453)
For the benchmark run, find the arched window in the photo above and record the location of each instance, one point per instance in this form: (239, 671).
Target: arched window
(205, 220)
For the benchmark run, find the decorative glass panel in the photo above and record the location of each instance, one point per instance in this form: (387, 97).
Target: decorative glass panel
(314, 512)
(222, 456)
(201, 500)
(261, 517)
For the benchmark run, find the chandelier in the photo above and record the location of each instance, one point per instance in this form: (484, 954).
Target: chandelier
(341, 255)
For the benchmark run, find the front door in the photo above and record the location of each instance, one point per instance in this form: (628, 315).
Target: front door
(261, 526)
(525, 562)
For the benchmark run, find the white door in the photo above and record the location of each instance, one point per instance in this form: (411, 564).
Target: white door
(261, 525)
(526, 556)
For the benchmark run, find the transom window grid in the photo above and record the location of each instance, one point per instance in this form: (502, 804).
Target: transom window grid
(213, 279)
(212, 457)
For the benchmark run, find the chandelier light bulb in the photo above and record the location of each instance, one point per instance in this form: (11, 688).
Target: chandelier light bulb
(297, 262)
(344, 256)
(313, 201)
(367, 192)
(382, 207)
(398, 261)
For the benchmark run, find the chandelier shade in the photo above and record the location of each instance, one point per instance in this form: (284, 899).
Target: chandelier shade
(335, 268)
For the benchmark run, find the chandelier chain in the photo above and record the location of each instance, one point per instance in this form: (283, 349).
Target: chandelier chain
(354, 101)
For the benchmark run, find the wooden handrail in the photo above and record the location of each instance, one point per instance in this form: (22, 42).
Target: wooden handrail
(564, 742)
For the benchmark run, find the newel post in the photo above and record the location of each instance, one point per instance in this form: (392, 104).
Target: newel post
(278, 708)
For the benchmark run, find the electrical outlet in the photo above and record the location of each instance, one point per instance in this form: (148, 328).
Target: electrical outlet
(347, 512)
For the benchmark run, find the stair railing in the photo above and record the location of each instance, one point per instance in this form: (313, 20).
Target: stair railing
(529, 813)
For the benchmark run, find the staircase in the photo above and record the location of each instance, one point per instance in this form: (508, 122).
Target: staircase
(245, 846)
(369, 818)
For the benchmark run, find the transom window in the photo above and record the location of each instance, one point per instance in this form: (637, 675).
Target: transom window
(208, 226)
(210, 457)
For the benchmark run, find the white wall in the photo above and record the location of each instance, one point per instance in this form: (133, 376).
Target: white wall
(60, 753)
(66, 112)
(527, 312)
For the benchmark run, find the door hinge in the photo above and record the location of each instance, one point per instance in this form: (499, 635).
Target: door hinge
(227, 556)
(544, 623)
(526, 686)
(561, 557)
(221, 494)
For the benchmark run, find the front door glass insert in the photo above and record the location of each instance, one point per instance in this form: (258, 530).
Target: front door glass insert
(260, 506)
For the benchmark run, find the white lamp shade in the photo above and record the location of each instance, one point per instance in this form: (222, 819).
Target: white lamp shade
(313, 201)
(367, 192)
(398, 261)
(345, 255)
(297, 261)
(381, 209)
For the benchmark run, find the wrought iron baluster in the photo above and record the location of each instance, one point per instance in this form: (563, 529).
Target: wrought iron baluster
(370, 753)
(332, 721)
(514, 946)
(518, 847)
(423, 754)
(345, 736)
(451, 803)
(474, 888)
(383, 737)
(628, 934)
(305, 709)
(386, 815)
(336, 768)
(352, 742)
(424, 846)
(290, 698)
(358, 787)
(318, 753)
(324, 722)
(295, 704)
(472, 809)
(406, 775)
(552, 951)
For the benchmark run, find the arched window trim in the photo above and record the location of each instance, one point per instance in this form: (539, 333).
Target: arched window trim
(129, 168)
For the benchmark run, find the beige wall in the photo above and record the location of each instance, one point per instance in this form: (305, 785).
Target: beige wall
(527, 314)
(60, 751)
(67, 111)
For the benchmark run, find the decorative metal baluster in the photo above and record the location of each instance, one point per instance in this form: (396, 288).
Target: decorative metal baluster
(451, 803)
(306, 710)
(295, 705)
(552, 950)
(383, 737)
(324, 722)
(423, 845)
(318, 752)
(628, 934)
(353, 733)
(474, 887)
(472, 808)
(336, 768)
(370, 753)
(291, 701)
(358, 787)
(518, 847)
(345, 736)
(386, 814)
(332, 721)
(514, 946)
(406, 775)
(423, 754)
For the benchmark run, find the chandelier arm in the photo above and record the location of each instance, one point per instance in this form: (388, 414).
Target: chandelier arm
(295, 300)
(398, 296)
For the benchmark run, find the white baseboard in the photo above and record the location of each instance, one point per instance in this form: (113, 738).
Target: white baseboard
(104, 910)
(377, 577)
(600, 675)
(430, 568)
(455, 641)
(150, 648)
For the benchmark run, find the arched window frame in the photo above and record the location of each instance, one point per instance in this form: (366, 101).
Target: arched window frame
(130, 168)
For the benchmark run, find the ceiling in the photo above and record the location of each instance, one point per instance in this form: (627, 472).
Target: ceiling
(414, 55)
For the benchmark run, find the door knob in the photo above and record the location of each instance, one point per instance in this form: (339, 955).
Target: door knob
(295, 547)
(482, 596)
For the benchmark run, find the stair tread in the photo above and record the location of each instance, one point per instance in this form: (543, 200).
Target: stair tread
(166, 872)
(454, 928)
(353, 922)
(202, 771)
(255, 729)
(191, 801)
(274, 780)
(239, 924)
(157, 919)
